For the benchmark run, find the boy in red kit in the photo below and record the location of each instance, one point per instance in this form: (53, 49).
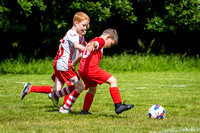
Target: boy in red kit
(92, 74)
(62, 64)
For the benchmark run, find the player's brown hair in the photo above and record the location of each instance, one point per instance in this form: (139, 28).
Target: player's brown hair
(113, 34)
(80, 16)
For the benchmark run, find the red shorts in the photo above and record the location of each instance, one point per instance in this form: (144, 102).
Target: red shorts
(69, 77)
(98, 77)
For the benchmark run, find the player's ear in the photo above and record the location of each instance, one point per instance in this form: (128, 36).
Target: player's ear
(75, 23)
(108, 37)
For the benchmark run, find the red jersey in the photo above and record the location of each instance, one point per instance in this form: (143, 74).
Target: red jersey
(90, 60)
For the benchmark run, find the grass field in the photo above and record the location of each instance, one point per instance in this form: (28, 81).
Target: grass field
(177, 92)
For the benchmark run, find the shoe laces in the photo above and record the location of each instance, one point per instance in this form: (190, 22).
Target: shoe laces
(124, 102)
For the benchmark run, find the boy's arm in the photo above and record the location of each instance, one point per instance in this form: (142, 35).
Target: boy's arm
(76, 61)
(78, 46)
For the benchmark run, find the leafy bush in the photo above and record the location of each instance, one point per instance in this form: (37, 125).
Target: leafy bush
(21, 66)
(182, 15)
(117, 63)
(150, 63)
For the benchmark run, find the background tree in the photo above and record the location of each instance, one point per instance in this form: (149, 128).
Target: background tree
(34, 27)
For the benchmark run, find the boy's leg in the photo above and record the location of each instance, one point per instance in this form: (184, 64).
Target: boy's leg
(32, 88)
(65, 98)
(88, 100)
(72, 98)
(71, 88)
(41, 89)
(114, 91)
(64, 92)
(57, 87)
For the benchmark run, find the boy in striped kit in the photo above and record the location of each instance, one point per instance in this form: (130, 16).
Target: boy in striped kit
(62, 64)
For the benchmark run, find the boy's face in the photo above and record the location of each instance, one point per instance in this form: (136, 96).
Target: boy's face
(81, 27)
(83, 34)
(108, 43)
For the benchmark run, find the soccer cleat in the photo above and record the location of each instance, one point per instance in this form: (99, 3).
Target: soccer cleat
(119, 108)
(54, 100)
(64, 111)
(25, 91)
(85, 112)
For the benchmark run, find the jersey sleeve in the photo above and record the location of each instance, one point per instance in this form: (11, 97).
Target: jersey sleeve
(100, 43)
(73, 37)
(70, 37)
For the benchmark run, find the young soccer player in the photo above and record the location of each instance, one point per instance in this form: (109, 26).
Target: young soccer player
(63, 60)
(84, 43)
(92, 74)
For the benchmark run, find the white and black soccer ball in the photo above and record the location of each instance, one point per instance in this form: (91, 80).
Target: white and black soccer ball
(156, 112)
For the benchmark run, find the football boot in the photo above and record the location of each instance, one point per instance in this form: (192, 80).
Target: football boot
(119, 107)
(64, 111)
(54, 100)
(85, 112)
(25, 91)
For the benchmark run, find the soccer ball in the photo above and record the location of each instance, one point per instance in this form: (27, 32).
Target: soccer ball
(156, 112)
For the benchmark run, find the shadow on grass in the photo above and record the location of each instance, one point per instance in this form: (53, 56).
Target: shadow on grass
(89, 115)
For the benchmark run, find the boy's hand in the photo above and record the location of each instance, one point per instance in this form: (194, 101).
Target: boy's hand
(73, 66)
(75, 62)
(91, 47)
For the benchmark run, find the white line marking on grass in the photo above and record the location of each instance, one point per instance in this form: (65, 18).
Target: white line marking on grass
(185, 129)
(175, 86)
(7, 95)
(26, 82)
(154, 85)
(137, 88)
(20, 82)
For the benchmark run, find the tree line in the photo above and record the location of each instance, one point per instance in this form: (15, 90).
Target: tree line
(34, 27)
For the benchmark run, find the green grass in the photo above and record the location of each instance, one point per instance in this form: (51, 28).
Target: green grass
(177, 92)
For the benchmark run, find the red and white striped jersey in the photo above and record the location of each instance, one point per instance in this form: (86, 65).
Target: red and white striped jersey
(82, 42)
(67, 53)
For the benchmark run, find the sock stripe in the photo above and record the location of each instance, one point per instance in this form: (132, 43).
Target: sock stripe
(65, 107)
(67, 90)
(63, 93)
(57, 94)
(73, 98)
(69, 102)
(60, 93)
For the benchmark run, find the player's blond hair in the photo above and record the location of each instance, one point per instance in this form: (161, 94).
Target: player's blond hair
(113, 34)
(80, 16)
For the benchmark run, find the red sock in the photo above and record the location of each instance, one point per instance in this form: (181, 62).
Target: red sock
(41, 89)
(88, 101)
(71, 100)
(114, 91)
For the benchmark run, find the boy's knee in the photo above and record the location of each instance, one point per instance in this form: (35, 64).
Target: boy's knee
(113, 79)
(80, 85)
(92, 90)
